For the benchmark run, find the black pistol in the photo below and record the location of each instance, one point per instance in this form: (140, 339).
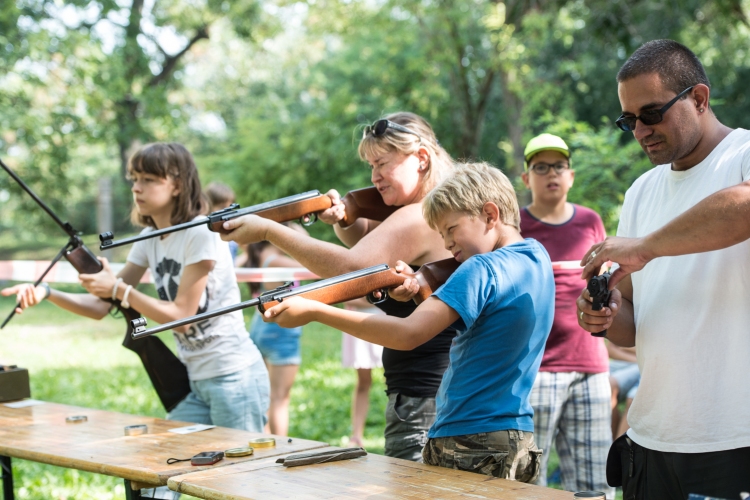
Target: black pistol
(599, 291)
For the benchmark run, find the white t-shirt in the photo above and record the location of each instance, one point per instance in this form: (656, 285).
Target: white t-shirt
(692, 315)
(216, 346)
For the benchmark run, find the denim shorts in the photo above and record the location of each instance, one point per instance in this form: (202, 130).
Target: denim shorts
(237, 400)
(279, 346)
(627, 376)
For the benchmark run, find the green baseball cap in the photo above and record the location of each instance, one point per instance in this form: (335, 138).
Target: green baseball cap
(544, 142)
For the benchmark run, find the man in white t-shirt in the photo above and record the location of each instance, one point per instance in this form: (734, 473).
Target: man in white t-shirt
(687, 313)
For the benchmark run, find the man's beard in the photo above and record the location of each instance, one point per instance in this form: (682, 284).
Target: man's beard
(688, 139)
(662, 157)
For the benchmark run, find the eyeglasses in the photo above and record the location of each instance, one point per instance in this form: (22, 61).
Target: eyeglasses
(650, 116)
(378, 129)
(543, 168)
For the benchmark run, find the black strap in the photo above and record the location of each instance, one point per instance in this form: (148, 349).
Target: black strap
(171, 461)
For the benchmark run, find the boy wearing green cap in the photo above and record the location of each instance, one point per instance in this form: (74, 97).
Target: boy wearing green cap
(571, 393)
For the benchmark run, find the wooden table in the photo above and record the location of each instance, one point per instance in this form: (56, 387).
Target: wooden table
(40, 433)
(373, 476)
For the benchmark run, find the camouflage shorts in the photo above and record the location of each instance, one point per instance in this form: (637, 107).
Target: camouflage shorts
(505, 454)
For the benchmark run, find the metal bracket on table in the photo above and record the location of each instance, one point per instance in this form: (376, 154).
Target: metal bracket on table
(130, 493)
(7, 477)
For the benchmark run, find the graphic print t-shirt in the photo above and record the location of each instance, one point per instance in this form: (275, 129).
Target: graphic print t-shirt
(216, 346)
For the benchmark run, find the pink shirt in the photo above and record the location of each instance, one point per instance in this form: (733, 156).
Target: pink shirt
(569, 347)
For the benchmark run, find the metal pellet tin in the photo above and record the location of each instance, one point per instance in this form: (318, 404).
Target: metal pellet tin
(136, 430)
(76, 419)
(595, 495)
(238, 452)
(262, 443)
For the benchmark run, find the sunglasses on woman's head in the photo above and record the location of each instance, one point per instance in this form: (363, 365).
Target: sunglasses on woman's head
(379, 128)
(648, 117)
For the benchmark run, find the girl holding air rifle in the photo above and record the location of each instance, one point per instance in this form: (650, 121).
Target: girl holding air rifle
(193, 273)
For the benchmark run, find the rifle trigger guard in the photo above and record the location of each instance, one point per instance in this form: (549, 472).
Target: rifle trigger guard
(372, 299)
(311, 219)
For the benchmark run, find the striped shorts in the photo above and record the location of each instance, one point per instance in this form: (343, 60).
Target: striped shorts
(573, 410)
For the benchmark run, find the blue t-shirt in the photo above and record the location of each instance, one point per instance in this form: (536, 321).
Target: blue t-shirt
(506, 303)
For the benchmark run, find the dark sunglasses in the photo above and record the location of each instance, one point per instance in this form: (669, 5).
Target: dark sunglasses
(650, 116)
(378, 129)
(543, 168)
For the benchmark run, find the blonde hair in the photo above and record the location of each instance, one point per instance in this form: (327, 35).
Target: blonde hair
(440, 162)
(467, 190)
(173, 160)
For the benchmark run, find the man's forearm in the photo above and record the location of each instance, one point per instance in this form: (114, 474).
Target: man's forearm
(719, 221)
(622, 330)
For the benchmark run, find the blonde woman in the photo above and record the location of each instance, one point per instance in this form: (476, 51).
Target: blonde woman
(406, 161)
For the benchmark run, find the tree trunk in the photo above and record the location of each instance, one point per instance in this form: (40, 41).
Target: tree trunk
(513, 106)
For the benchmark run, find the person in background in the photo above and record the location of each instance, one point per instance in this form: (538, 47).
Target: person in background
(624, 378)
(363, 357)
(280, 347)
(571, 394)
(221, 196)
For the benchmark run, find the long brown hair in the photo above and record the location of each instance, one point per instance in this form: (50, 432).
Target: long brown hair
(170, 160)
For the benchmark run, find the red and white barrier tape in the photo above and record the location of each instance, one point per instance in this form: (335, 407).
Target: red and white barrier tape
(63, 272)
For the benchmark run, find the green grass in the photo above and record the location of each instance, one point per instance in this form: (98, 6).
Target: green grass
(78, 361)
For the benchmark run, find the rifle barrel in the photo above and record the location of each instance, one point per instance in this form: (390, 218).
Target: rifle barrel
(231, 212)
(66, 227)
(107, 244)
(139, 332)
(278, 294)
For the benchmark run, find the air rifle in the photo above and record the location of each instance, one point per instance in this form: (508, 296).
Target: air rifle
(365, 202)
(350, 286)
(167, 373)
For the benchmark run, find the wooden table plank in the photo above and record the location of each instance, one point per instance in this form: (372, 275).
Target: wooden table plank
(40, 433)
(368, 477)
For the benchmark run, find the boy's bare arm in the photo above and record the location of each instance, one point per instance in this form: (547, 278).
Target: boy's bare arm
(429, 319)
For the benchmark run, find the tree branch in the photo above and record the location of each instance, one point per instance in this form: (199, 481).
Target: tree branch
(171, 61)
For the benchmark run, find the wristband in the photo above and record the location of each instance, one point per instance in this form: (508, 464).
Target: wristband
(114, 289)
(124, 302)
(47, 290)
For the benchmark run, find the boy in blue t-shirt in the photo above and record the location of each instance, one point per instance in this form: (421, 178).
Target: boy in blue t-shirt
(501, 299)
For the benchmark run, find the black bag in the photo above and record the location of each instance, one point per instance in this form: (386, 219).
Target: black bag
(626, 467)
(167, 373)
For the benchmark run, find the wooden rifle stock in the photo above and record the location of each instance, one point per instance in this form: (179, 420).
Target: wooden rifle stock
(359, 203)
(83, 260)
(365, 203)
(429, 276)
(285, 213)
